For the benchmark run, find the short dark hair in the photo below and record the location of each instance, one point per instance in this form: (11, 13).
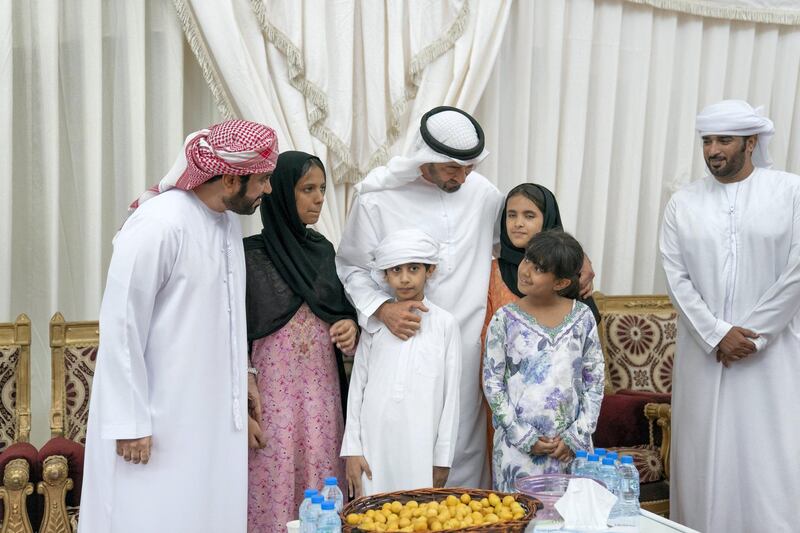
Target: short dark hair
(243, 179)
(561, 254)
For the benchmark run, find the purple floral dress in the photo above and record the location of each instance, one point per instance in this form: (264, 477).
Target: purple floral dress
(301, 416)
(540, 382)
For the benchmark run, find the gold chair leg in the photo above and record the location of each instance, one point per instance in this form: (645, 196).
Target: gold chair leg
(54, 488)
(14, 494)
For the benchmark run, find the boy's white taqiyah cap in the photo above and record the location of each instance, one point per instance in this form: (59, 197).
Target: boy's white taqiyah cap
(405, 246)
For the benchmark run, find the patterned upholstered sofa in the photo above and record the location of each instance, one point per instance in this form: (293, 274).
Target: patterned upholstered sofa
(73, 352)
(638, 335)
(18, 458)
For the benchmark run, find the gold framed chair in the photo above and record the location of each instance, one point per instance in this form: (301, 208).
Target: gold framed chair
(15, 381)
(73, 351)
(638, 334)
(73, 354)
(16, 454)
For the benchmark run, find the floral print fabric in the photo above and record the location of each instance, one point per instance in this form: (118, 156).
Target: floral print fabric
(540, 382)
(301, 414)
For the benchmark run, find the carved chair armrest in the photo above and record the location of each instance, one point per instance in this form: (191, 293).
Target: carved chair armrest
(661, 414)
(19, 469)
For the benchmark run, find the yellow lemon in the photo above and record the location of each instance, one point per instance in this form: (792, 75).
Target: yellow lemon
(431, 512)
(466, 498)
(392, 527)
(380, 527)
(505, 514)
(404, 522)
(518, 515)
(436, 526)
(386, 507)
(353, 519)
(413, 504)
(396, 507)
(491, 518)
(452, 500)
(484, 502)
(494, 499)
(508, 500)
(380, 518)
(370, 513)
(367, 527)
(421, 526)
(475, 505)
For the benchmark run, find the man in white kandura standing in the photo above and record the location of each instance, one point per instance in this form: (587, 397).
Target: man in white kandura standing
(730, 244)
(435, 190)
(166, 446)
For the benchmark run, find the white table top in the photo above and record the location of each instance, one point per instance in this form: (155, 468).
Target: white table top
(648, 523)
(652, 523)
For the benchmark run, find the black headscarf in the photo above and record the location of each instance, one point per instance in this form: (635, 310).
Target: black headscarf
(510, 255)
(289, 263)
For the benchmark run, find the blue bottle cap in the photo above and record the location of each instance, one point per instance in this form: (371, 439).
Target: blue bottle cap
(328, 505)
(608, 461)
(581, 453)
(317, 499)
(613, 455)
(594, 457)
(627, 460)
(310, 492)
(600, 451)
(331, 481)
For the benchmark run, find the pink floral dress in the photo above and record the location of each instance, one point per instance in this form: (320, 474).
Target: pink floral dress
(302, 419)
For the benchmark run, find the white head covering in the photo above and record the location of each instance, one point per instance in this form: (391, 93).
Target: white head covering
(738, 118)
(402, 247)
(449, 127)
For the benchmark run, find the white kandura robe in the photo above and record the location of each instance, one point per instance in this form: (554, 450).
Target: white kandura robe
(733, 258)
(464, 224)
(402, 407)
(172, 364)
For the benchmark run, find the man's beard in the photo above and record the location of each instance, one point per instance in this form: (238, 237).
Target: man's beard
(239, 203)
(730, 168)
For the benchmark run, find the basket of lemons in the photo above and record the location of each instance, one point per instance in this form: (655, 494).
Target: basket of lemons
(448, 509)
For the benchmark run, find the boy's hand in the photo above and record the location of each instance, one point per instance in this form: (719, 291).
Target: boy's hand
(400, 317)
(440, 474)
(355, 466)
(545, 446)
(562, 452)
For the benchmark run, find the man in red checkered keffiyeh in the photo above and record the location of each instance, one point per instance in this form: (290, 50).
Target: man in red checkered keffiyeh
(234, 147)
(170, 389)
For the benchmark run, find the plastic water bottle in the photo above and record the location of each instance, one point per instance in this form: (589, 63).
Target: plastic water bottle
(628, 492)
(329, 521)
(609, 476)
(600, 452)
(310, 524)
(592, 467)
(614, 456)
(579, 462)
(305, 507)
(331, 491)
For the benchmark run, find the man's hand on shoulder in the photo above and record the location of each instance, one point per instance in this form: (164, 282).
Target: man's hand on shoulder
(135, 450)
(400, 317)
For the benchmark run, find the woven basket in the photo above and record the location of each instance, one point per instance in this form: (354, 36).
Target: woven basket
(362, 505)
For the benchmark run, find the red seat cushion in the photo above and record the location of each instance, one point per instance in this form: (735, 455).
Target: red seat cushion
(73, 451)
(622, 421)
(24, 450)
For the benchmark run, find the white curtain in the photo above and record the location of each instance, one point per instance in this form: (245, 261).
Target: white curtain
(343, 79)
(593, 98)
(596, 99)
(96, 96)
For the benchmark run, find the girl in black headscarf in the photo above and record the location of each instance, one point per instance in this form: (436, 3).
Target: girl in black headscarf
(529, 209)
(299, 323)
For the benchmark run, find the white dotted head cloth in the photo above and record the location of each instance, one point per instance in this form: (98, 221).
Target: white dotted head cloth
(453, 129)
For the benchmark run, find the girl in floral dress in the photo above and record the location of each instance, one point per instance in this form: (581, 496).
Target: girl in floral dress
(543, 367)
